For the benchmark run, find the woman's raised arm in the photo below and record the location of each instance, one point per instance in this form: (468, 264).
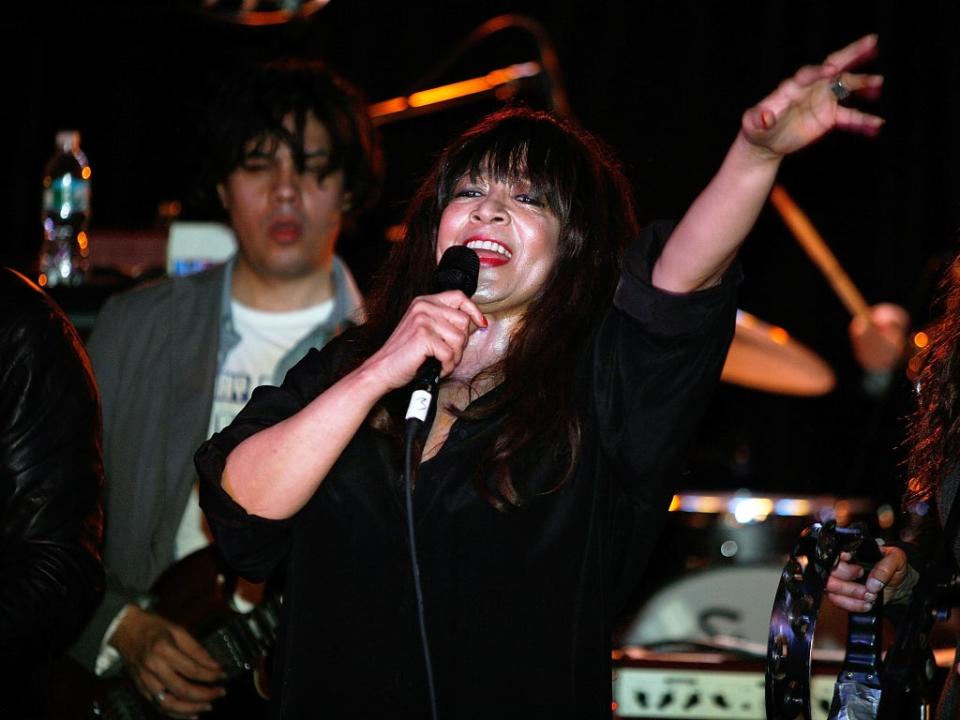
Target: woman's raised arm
(799, 112)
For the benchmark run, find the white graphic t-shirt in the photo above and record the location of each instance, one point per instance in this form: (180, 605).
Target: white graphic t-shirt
(265, 337)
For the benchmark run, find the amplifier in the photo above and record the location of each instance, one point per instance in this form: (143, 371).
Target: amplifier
(702, 686)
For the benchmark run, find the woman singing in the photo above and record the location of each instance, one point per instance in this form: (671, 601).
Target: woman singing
(572, 381)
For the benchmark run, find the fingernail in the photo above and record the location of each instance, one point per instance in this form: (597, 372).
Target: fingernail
(486, 322)
(870, 597)
(868, 607)
(874, 585)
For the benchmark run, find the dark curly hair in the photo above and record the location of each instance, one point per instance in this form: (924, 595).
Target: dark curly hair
(252, 102)
(584, 187)
(933, 436)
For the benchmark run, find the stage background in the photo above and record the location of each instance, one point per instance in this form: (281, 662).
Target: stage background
(663, 82)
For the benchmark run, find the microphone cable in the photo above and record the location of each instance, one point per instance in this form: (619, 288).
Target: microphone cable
(458, 270)
(410, 434)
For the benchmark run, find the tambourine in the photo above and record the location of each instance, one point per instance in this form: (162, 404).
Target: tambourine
(793, 623)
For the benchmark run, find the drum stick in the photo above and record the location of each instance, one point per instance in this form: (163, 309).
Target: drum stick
(814, 245)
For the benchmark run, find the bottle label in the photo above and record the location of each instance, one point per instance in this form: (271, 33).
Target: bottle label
(66, 195)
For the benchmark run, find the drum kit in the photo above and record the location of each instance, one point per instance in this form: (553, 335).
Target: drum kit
(765, 357)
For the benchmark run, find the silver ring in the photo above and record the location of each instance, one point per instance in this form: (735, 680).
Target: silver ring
(840, 91)
(160, 696)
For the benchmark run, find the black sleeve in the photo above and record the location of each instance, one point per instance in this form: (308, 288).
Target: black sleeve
(657, 359)
(51, 573)
(254, 546)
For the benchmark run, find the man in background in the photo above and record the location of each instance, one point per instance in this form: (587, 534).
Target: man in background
(294, 155)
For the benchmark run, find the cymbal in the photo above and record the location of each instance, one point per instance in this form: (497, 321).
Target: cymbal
(764, 357)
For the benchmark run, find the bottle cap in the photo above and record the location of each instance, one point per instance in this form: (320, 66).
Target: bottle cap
(68, 140)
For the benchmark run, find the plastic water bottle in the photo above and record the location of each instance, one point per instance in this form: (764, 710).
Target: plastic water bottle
(66, 211)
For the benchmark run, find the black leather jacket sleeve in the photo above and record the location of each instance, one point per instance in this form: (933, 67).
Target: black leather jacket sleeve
(51, 482)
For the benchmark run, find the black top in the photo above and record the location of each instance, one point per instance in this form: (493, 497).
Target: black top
(51, 482)
(519, 604)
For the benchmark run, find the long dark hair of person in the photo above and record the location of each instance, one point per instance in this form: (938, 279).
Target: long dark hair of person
(934, 432)
(585, 189)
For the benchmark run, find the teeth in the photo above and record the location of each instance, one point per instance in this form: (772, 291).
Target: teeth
(491, 246)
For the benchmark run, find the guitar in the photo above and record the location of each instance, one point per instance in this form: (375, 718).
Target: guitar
(199, 593)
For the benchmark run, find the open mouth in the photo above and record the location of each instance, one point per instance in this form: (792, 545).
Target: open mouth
(490, 252)
(286, 230)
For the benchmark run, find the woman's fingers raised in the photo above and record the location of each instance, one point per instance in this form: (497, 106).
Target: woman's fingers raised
(854, 54)
(861, 84)
(857, 121)
(807, 105)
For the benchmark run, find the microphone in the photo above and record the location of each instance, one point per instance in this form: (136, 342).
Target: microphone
(458, 270)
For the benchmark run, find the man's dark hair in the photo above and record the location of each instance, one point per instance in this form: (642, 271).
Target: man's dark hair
(253, 101)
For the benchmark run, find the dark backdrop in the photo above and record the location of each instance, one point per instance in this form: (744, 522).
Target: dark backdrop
(663, 82)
